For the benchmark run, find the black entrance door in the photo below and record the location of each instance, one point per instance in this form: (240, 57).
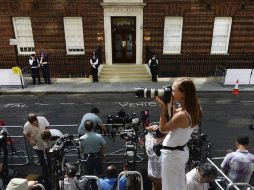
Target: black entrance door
(123, 39)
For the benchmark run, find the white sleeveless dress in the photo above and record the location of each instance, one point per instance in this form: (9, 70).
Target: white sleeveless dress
(174, 161)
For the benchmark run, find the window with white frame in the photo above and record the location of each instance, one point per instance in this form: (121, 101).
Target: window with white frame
(172, 35)
(221, 35)
(24, 35)
(73, 29)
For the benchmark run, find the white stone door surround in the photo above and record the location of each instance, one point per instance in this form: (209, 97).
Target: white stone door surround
(121, 8)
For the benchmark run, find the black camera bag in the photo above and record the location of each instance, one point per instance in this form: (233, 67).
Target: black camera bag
(157, 148)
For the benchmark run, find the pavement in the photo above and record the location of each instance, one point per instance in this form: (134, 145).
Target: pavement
(86, 86)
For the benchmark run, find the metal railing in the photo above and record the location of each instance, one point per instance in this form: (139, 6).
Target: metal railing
(225, 178)
(197, 65)
(26, 76)
(220, 73)
(17, 146)
(61, 65)
(22, 153)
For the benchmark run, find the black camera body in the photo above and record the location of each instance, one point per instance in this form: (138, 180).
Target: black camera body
(129, 135)
(58, 149)
(164, 93)
(195, 145)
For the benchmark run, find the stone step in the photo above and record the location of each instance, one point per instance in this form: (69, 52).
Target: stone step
(124, 65)
(124, 69)
(122, 77)
(123, 80)
(124, 73)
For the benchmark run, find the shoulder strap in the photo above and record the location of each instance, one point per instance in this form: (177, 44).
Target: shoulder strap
(188, 117)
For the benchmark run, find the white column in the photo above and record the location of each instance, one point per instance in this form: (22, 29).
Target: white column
(108, 38)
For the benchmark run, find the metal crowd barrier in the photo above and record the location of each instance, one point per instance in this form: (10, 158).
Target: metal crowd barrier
(26, 77)
(18, 150)
(225, 177)
(220, 73)
(22, 153)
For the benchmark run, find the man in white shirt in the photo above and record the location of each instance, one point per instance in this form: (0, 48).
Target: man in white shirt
(200, 177)
(32, 130)
(50, 137)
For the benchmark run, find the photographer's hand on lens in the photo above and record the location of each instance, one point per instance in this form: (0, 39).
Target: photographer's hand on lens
(163, 106)
(166, 108)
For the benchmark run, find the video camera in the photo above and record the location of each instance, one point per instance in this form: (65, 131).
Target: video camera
(61, 144)
(130, 135)
(120, 117)
(195, 145)
(164, 93)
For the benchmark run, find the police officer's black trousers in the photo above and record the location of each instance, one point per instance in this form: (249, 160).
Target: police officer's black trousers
(95, 74)
(46, 73)
(154, 72)
(35, 74)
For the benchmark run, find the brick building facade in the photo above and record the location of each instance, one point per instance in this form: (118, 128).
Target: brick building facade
(128, 32)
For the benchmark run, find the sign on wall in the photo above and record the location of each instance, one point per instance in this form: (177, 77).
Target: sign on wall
(13, 42)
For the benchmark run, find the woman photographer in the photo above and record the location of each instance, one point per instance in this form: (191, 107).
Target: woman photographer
(179, 128)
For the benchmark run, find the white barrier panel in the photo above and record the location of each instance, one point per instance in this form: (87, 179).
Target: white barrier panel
(252, 77)
(242, 75)
(7, 77)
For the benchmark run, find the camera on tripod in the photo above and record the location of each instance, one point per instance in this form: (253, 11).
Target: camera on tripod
(130, 148)
(195, 145)
(120, 117)
(58, 149)
(164, 93)
(129, 135)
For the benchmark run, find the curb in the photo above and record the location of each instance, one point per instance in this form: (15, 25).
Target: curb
(104, 92)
